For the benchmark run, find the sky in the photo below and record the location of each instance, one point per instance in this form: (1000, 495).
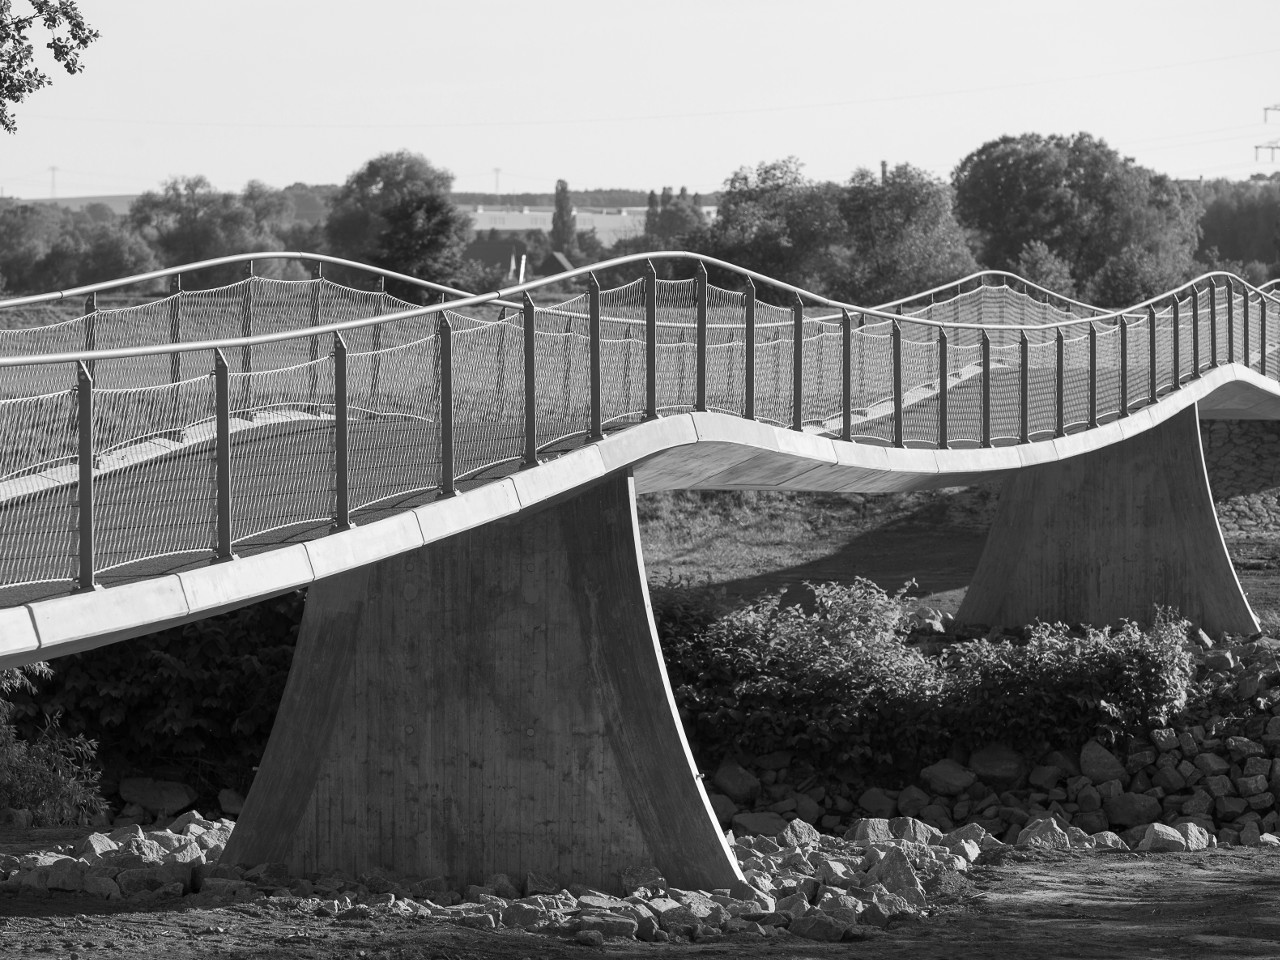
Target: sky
(515, 95)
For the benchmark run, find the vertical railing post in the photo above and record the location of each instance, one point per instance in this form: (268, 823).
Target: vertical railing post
(797, 364)
(1124, 366)
(84, 459)
(341, 445)
(447, 488)
(846, 375)
(749, 364)
(1152, 384)
(1176, 319)
(314, 310)
(222, 456)
(986, 389)
(1244, 326)
(91, 328)
(895, 345)
(1024, 356)
(530, 386)
(1213, 323)
(1060, 427)
(375, 361)
(593, 346)
(1195, 333)
(1262, 335)
(700, 392)
(175, 326)
(246, 330)
(1231, 322)
(943, 386)
(1093, 374)
(650, 341)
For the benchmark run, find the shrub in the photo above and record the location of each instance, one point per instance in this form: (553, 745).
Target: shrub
(52, 775)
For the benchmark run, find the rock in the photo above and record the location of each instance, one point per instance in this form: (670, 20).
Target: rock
(502, 886)
(1195, 837)
(1164, 739)
(998, 765)
(164, 797)
(535, 883)
(947, 778)
(878, 803)
(808, 809)
(1131, 809)
(738, 784)
(1106, 840)
(1240, 748)
(897, 875)
(819, 926)
(1045, 777)
(884, 908)
(1092, 822)
(1100, 765)
(778, 760)
(797, 833)
(763, 822)
(1211, 765)
(232, 803)
(610, 925)
(911, 800)
(591, 938)
(916, 831)
(1159, 838)
(103, 887)
(92, 847)
(1045, 834)
(869, 830)
(634, 878)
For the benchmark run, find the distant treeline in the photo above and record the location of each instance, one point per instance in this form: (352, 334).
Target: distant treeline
(1067, 212)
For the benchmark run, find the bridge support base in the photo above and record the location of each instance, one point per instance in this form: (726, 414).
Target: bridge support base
(495, 702)
(1103, 536)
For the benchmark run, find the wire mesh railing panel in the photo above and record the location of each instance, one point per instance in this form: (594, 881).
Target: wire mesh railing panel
(38, 506)
(920, 377)
(1108, 373)
(822, 366)
(1075, 390)
(1006, 392)
(964, 394)
(154, 484)
(562, 365)
(282, 450)
(393, 410)
(622, 379)
(774, 358)
(34, 379)
(622, 312)
(1042, 389)
(871, 383)
(677, 304)
(1138, 367)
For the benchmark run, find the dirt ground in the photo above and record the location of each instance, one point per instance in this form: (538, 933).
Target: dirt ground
(1219, 904)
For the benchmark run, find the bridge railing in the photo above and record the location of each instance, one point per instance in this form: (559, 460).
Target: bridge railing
(173, 453)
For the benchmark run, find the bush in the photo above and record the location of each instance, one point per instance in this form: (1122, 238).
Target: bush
(834, 682)
(51, 775)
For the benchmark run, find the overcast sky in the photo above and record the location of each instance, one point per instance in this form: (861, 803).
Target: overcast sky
(617, 94)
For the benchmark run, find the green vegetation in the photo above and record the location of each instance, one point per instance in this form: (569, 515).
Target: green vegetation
(68, 36)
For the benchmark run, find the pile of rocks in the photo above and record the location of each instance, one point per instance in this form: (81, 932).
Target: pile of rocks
(799, 883)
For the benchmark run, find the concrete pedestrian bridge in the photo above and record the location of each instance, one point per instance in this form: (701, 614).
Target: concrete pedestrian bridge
(477, 686)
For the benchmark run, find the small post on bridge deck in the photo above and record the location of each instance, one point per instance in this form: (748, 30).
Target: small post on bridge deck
(986, 389)
(1262, 335)
(1093, 374)
(650, 341)
(1195, 333)
(1060, 428)
(91, 327)
(1231, 322)
(1175, 319)
(222, 456)
(1152, 387)
(1213, 323)
(316, 275)
(797, 364)
(943, 386)
(1124, 366)
(246, 330)
(447, 488)
(375, 361)
(1244, 326)
(895, 344)
(1024, 358)
(84, 458)
(700, 392)
(749, 361)
(175, 326)
(341, 444)
(846, 375)
(530, 387)
(593, 345)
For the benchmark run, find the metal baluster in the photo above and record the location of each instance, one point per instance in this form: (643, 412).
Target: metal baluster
(1151, 368)
(447, 488)
(846, 375)
(1124, 366)
(593, 345)
(1213, 323)
(84, 456)
(1262, 335)
(1060, 429)
(943, 386)
(1024, 351)
(175, 326)
(895, 343)
(246, 330)
(749, 366)
(797, 365)
(530, 387)
(222, 415)
(650, 341)
(700, 392)
(1244, 326)
(375, 361)
(1195, 333)
(1093, 375)
(1231, 322)
(91, 328)
(986, 389)
(315, 341)
(341, 445)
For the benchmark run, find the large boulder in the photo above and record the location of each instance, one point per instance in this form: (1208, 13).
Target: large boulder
(764, 822)
(162, 797)
(735, 782)
(998, 765)
(947, 778)
(1131, 809)
(1100, 765)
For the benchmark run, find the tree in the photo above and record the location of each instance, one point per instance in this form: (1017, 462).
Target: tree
(1086, 204)
(69, 35)
(395, 212)
(676, 218)
(564, 225)
(1041, 265)
(44, 247)
(901, 237)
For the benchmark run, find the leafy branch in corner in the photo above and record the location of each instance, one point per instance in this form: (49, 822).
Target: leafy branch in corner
(69, 35)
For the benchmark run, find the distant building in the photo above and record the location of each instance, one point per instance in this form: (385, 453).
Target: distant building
(611, 224)
(495, 253)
